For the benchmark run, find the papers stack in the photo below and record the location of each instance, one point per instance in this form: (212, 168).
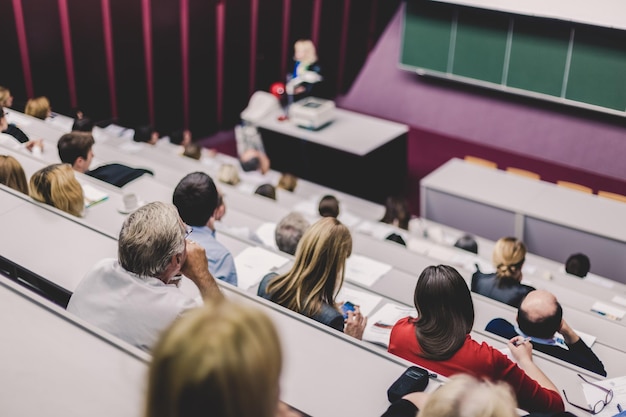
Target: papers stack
(365, 271)
(254, 263)
(93, 195)
(379, 325)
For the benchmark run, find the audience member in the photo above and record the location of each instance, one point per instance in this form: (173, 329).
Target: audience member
(228, 174)
(15, 136)
(250, 149)
(224, 360)
(539, 317)
(193, 151)
(312, 283)
(83, 124)
(439, 340)
(136, 296)
(504, 285)
(196, 199)
(76, 149)
(397, 212)
(181, 137)
(38, 107)
(287, 182)
(57, 186)
(463, 396)
(468, 243)
(266, 190)
(578, 264)
(147, 134)
(12, 174)
(289, 231)
(329, 206)
(6, 99)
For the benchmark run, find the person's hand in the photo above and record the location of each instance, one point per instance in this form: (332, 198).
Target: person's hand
(417, 398)
(32, 144)
(568, 333)
(284, 410)
(355, 323)
(521, 349)
(195, 265)
(299, 89)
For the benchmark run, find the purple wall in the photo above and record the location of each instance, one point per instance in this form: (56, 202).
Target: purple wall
(555, 140)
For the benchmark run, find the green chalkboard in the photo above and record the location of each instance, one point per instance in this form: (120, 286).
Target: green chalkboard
(598, 69)
(538, 56)
(480, 45)
(427, 36)
(564, 61)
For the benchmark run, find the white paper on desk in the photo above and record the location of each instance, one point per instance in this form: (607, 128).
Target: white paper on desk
(308, 208)
(420, 246)
(267, 233)
(246, 187)
(131, 147)
(588, 339)
(18, 119)
(254, 263)
(619, 300)
(593, 394)
(598, 280)
(454, 257)
(378, 329)
(349, 219)
(367, 302)
(608, 311)
(365, 271)
(93, 195)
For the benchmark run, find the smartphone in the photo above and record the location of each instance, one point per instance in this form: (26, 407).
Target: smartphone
(347, 306)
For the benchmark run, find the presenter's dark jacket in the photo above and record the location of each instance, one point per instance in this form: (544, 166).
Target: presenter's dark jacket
(579, 353)
(506, 290)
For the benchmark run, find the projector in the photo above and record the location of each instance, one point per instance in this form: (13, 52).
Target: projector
(312, 112)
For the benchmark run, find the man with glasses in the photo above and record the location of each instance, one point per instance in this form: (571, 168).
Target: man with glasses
(137, 296)
(540, 317)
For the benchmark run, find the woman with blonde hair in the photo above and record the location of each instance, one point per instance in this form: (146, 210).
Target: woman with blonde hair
(12, 174)
(439, 340)
(505, 284)
(38, 107)
(57, 186)
(222, 360)
(6, 99)
(315, 278)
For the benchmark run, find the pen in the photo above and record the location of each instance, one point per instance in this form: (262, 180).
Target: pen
(521, 342)
(619, 407)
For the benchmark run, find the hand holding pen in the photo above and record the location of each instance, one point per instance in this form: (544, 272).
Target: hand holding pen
(521, 349)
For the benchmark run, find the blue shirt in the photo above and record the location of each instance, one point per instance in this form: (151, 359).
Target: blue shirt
(221, 262)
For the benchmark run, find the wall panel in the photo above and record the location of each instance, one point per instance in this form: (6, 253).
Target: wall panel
(45, 47)
(11, 73)
(89, 59)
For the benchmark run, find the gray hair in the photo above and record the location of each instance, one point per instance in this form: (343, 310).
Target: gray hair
(149, 238)
(289, 231)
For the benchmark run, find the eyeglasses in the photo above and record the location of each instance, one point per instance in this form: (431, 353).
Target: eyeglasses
(597, 407)
(188, 230)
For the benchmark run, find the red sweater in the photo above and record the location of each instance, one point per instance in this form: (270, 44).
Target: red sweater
(479, 360)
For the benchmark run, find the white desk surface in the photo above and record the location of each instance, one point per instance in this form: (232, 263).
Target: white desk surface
(349, 132)
(539, 199)
(56, 368)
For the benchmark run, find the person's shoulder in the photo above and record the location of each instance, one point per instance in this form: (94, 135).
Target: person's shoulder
(262, 291)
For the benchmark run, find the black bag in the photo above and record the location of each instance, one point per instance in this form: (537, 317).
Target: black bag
(117, 174)
(414, 379)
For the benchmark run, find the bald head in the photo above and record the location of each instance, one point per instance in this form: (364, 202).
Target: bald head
(540, 314)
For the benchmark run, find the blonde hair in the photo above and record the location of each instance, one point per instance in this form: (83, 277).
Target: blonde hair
(318, 271)
(12, 174)
(5, 95)
(466, 396)
(38, 107)
(287, 182)
(221, 360)
(57, 186)
(509, 254)
(228, 174)
(308, 49)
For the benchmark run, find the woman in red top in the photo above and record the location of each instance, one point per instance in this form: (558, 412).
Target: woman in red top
(439, 340)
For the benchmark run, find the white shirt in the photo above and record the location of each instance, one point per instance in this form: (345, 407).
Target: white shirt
(133, 308)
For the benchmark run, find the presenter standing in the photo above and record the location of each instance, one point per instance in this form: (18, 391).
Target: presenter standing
(306, 71)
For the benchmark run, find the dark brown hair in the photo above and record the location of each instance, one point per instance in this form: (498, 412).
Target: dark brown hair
(445, 312)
